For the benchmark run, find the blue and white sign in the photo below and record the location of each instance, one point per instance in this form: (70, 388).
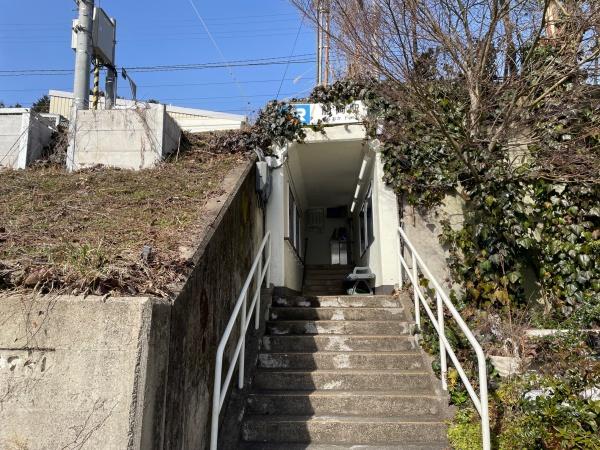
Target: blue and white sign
(303, 112)
(313, 113)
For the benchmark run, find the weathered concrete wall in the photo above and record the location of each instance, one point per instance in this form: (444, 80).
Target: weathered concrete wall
(201, 311)
(423, 229)
(82, 372)
(135, 138)
(23, 136)
(129, 373)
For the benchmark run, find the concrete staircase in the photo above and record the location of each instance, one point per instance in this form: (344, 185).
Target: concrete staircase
(324, 279)
(342, 372)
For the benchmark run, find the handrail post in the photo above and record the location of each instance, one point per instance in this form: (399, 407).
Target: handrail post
(442, 336)
(216, 404)
(400, 273)
(415, 283)
(243, 339)
(269, 260)
(258, 286)
(483, 400)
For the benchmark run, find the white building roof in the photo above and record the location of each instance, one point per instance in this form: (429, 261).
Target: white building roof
(170, 108)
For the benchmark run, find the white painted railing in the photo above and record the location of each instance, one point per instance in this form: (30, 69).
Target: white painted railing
(257, 272)
(442, 300)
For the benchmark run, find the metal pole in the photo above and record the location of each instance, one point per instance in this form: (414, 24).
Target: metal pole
(111, 88)
(440, 318)
(269, 260)
(216, 404)
(400, 257)
(83, 55)
(327, 41)
(96, 89)
(258, 286)
(243, 339)
(415, 283)
(319, 44)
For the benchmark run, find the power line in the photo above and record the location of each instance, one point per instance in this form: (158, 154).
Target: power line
(291, 55)
(209, 19)
(212, 83)
(172, 67)
(229, 67)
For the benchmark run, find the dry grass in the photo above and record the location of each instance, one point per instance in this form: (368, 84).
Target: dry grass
(85, 232)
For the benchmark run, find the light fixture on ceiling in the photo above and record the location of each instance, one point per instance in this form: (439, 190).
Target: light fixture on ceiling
(363, 168)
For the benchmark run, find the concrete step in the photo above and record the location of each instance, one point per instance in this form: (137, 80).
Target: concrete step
(326, 275)
(338, 343)
(341, 430)
(379, 327)
(342, 380)
(328, 291)
(323, 282)
(352, 301)
(383, 446)
(308, 313)
(342, 360)
(324, 267)
(355, 403)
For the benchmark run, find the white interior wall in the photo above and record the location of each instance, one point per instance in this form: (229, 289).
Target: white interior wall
(321, 167)
(293, 265)
(382, 256)
(318, 239)
(276, 218)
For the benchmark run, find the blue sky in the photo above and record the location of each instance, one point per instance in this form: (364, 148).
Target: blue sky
(36, 35)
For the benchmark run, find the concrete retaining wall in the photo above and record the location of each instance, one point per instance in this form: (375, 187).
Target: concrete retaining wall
(423, 229)
(200, 314)
(81, 372)
(23, 136)
(135, 138)
(128, 373)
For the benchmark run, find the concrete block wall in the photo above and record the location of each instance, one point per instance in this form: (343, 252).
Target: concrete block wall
(23, 136)
(136, 138)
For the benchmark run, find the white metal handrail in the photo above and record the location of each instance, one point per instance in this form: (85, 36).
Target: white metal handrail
(481, 402)
(220, 386)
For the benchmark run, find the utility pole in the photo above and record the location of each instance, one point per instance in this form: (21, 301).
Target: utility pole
(83, 55)
(319, 43)
(327, 40)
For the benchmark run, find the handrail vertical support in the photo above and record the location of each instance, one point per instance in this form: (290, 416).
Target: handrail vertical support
(483, 400)
(258, 286)
(443, 362)
(243, 339)
(400, 273)
(216, 404)
(269, 259)
(415, 281)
